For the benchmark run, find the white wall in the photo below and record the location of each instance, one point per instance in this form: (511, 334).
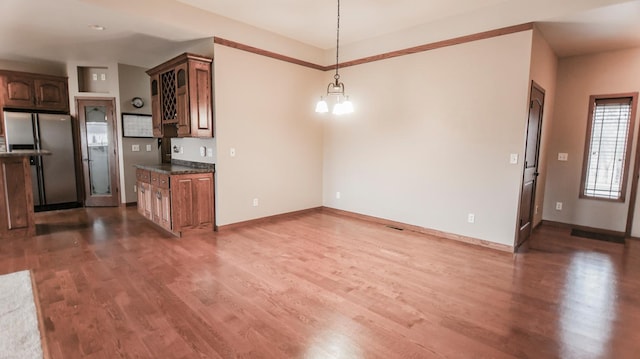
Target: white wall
(578, 78)
(544, 68)
(264, 109)
(134, 82)
(431, 138)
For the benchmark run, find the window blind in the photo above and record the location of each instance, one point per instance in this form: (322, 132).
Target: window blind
(605, 170)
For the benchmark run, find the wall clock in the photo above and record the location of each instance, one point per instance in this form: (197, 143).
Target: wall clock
(137, 102)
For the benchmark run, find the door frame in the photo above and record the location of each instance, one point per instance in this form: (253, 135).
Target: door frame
(114, 167)
(517, 242)
(635, 175)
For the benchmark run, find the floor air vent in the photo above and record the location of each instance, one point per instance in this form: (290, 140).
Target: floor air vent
(396, 228)
(598, 236)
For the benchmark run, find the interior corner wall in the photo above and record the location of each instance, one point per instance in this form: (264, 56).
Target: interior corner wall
(134, 82)
(544, 68)
(431, 138)
(578, 78)
(264, 110)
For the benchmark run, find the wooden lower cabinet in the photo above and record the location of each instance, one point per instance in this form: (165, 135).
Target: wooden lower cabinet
(161, 207)
(177, 203)
(16, 199)
(144, 199)
(192, 199)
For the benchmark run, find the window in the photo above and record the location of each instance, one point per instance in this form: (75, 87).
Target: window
(608, 145)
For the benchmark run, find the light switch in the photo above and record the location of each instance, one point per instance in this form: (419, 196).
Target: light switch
(148, 148)
(94, 77)
(135, 148)
(232, 152)
(513, 159)
(209, 152)
(103, 77)
(563, 156)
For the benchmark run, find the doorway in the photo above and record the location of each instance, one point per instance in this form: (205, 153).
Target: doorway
(531, 157)
(99, 151)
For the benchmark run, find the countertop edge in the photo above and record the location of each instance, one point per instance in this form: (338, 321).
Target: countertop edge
(170, 169)
(25, 153)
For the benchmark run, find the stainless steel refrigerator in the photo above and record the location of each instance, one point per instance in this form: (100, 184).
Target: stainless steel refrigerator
(53, 177)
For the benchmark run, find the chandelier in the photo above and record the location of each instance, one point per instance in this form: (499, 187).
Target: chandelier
(336, 88)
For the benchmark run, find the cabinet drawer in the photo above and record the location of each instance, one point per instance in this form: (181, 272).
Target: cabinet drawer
(142, 176)
(160, 180)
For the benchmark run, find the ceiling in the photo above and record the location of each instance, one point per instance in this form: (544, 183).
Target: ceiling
(141, 31)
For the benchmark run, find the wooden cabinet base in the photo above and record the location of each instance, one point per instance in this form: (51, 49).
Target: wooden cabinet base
(177, 203)
(16, 198)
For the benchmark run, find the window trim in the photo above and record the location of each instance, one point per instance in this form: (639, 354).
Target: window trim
(585, 154)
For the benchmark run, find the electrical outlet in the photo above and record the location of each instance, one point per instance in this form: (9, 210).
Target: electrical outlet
(232, 152)
(337, 195)
(209, 152)
(558, 206)
(94, 77)
(471, 218)
(148, 148)
(103, 77)
(135, 148)
(181, 150)
(255, 202)
(563, 156)
(203, 151)
(536, 210)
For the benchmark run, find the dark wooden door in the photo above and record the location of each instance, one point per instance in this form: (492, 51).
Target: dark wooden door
(99, 151)
(530, 176)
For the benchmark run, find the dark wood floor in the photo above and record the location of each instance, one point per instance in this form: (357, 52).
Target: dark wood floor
(323, 286)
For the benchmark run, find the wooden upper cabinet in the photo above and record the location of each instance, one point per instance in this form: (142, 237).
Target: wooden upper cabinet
(183, 106)
(52, 94)
(18, 91)
(23, 90)
(183, 116)
(155, 106)
(200, 100)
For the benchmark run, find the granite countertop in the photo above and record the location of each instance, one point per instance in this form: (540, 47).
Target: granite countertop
(25, 153)
(176, 169)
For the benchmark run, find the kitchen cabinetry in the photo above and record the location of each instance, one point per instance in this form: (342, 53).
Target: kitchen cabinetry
(161, 200)
(16, 198)
(16, 195)
(176, 202)
(181, 101)
(21, 90)
(144, 193)
(192, 199)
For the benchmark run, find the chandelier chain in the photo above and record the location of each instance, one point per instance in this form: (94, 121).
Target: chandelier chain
(337, 76)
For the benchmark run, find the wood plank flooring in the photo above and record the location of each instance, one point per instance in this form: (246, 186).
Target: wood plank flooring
(322, 286)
